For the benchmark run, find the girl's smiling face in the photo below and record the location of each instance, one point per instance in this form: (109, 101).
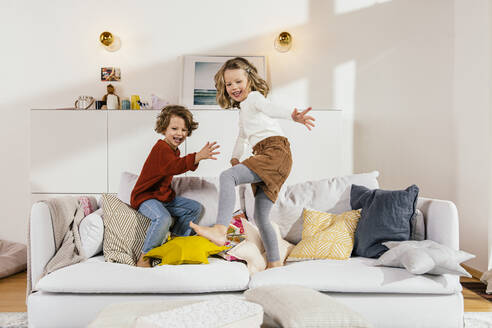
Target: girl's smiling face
(236, 82)
(176, 132)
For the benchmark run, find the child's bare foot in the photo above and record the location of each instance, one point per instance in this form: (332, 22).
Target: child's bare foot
(274, 264)
(143, 263)
(216, 234)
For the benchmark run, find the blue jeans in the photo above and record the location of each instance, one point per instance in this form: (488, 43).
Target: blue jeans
(184, 210)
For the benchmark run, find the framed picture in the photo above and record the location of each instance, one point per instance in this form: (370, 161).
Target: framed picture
(110, 74)
(198, 89)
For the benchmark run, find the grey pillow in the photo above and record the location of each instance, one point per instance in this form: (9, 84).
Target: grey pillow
(418, 226)
(385, 216)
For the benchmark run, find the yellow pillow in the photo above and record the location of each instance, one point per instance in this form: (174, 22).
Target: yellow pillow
(326, 236)
(180, 250)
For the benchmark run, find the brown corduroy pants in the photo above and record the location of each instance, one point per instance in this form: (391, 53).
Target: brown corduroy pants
(272, 162)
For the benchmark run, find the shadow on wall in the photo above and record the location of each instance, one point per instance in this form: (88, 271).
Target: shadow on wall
(373, 39)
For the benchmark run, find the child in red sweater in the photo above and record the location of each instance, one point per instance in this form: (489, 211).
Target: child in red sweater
(152, 195)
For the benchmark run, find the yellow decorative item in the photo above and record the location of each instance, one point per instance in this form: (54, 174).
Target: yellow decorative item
(106, 38)
(109, 41)
(326, 236)
(283, 42)
(181, 250)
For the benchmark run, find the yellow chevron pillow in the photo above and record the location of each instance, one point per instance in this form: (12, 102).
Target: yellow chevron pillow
(326, 236)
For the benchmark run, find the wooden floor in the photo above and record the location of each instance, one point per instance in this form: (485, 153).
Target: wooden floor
(13, 291)
(13, 296)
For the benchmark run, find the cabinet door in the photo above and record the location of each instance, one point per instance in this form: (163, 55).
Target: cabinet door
(316, 154)
(131, 136)
(214, 125)
(68, 151)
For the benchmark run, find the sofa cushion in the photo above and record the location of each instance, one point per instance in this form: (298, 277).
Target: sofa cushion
(91, 231)
(127, 182)
(97, 276)
(386, 215)
(235, 234)
(328, 195)
(425, 256)
(326, 236)
(124, 231)
(355, 275)
(252, 250)
(185, 250)
(296, 306)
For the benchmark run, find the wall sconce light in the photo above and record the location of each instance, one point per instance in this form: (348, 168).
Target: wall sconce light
(283, 42)
(109, 41)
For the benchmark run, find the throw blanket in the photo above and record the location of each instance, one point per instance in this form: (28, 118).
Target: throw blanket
(66, 214)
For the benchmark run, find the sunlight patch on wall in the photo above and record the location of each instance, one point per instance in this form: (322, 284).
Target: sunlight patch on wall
(344, 80)
(292, 94)
(346, 6)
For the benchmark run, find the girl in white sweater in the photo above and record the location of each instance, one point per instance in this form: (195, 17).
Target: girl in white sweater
(239, 86)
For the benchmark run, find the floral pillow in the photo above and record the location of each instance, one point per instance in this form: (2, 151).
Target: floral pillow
(235, 234)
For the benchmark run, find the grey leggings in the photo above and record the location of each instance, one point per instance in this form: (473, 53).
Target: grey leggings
(241, 174)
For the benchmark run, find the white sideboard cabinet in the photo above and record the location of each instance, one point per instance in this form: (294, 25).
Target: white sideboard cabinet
(85, 151)
(68, 151)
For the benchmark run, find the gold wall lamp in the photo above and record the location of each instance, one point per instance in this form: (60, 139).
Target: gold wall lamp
(283, 42)
(109, 41)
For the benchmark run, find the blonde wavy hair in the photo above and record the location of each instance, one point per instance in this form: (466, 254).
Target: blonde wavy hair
(255, 81)
(164, 118)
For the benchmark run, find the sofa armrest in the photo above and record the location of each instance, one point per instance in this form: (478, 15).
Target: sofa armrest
(42, 241)
(441, 221)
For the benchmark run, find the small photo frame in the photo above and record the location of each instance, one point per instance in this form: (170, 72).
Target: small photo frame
(110, 74)
(198, 89)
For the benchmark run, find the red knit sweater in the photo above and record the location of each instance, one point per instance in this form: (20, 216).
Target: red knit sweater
(157, 173)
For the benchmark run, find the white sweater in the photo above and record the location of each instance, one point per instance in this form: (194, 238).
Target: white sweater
(256, 122)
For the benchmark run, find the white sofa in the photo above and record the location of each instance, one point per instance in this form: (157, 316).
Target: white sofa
(386, 297)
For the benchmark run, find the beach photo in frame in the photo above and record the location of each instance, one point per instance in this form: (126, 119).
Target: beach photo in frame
(198, 89)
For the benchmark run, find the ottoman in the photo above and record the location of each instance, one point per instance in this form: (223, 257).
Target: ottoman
(220, 311)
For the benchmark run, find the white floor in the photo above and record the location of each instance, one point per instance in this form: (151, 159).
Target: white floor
(472, 320)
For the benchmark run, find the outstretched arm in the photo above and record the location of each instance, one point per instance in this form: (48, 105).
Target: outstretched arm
(207, 152)
(241, 143)
(301, 117)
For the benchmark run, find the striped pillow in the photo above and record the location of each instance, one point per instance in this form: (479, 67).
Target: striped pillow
(326, 236)
(124, 231)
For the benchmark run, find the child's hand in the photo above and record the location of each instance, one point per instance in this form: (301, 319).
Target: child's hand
(304, 119)
(207, 152)
(234, 161)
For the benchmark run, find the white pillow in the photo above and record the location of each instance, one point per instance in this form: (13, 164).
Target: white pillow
(127, 182)
(204, 190)
(425, 256)
(328, 195)
(252, 250)
(91, 231)
(296, 306)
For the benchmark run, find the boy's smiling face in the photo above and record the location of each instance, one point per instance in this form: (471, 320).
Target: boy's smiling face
(176, 132)
(236, 82)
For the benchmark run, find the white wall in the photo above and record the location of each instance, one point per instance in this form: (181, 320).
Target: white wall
(472, 127)
(422, 108)
(51, 54)
(393, 66)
